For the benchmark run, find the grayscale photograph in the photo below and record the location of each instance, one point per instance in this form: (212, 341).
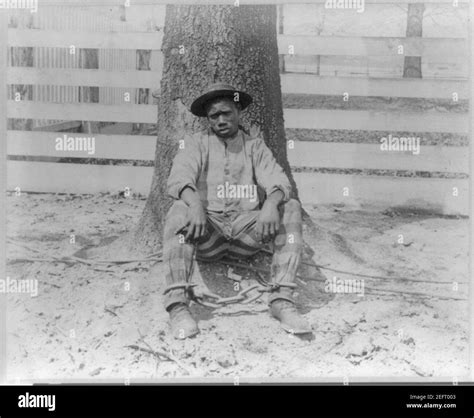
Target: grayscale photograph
(236, 191)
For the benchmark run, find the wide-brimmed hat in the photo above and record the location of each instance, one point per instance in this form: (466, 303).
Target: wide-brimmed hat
(219, 90)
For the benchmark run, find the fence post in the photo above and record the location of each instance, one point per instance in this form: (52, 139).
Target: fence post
(22, 57)
(3, 186)
(143, 63)
(89, 59)
(470, 36)
(412, 65)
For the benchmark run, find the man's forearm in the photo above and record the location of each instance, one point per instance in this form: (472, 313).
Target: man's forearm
(190, 197)
(276, 197)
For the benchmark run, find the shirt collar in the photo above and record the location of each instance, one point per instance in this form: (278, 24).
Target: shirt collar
(239, 137)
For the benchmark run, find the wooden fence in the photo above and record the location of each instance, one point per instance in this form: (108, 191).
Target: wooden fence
(326, 170)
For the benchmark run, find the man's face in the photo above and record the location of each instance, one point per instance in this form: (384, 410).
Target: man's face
(223, 116)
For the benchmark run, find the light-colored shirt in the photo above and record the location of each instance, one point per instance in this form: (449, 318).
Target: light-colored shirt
(226, 173)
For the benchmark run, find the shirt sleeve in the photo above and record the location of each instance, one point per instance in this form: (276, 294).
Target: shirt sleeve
(186, 167)
(269, 174)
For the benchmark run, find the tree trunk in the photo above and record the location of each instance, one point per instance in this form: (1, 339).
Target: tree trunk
(236, 45)
(202, 45)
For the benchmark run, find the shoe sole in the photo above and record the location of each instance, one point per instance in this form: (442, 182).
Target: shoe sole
(177, 337)
(295, 331)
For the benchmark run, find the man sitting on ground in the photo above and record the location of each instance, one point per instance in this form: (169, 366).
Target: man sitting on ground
(216, 212)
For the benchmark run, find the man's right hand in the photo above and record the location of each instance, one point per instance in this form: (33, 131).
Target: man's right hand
(196, 223)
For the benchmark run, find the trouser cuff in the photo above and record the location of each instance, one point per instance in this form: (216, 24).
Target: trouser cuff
(175, 296)
(282, 293)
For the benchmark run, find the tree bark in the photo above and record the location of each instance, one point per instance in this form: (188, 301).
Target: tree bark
(203, 45)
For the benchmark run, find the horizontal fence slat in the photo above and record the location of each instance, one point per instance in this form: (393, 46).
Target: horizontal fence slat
(79, 39)
(383, 192)
(376, 121)
(47, 144)
(77, 178)
(374, 66)
(449, 49)
(314, 188)
(291, 83)
(82, 111)
(91, 3)
(304, 154)
(386, 87)
(83, 77)
(370, 156)
(294, 118)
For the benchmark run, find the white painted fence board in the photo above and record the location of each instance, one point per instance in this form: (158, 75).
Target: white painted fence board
(83, 111)
(369, 156)
(291, 83)
(77, 178)
(91, 3)
(363, 86)
(382, 192)
(351, 66)
(448, 48)
(380, 46)
(315, 188)
(129, 147)
(374, 66)
(376, 121)
(83, 77)
(304, 154)
(100, 40)
(294, 118)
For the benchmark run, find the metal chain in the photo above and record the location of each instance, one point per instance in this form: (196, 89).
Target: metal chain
(199, 294)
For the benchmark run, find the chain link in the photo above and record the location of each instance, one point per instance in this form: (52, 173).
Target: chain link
(199, 294)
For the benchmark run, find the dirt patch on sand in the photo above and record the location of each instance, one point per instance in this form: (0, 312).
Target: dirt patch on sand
(88, 322)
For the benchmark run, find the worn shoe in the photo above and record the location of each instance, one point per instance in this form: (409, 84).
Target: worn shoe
(183, 324)
(290, 320)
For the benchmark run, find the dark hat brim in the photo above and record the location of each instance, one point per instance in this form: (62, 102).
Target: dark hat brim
(198, 106)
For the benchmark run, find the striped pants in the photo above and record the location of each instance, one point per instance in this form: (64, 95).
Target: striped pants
(232, 234)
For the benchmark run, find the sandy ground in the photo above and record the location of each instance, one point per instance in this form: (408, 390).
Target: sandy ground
(84, 320)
